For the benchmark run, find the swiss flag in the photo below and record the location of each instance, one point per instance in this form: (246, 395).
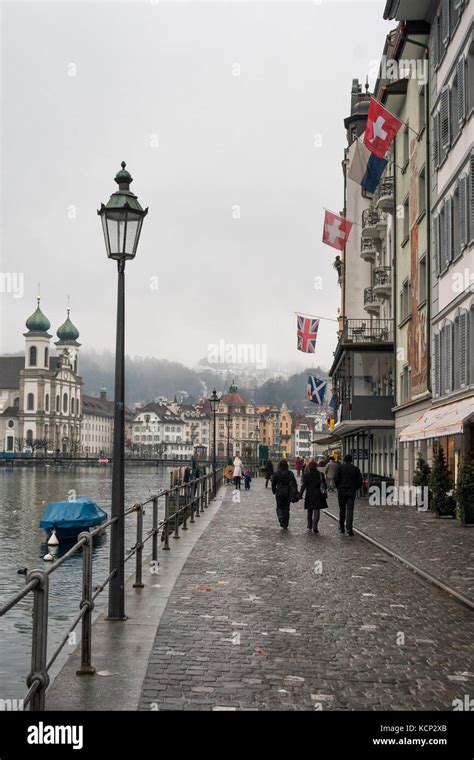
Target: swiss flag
(336, 230)
(382, 126)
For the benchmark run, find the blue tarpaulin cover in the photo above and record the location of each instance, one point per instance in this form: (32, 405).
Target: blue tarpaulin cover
(81, 513)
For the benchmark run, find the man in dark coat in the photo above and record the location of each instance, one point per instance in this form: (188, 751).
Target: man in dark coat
(315, 500)
(268, 472)
(348, 480)
(283, 481)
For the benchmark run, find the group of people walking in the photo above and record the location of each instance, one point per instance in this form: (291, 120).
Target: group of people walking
(345, 477)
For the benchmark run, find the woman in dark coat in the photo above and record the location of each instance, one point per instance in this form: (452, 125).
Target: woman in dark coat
(268, 472)
(314, 500)
(283, 481)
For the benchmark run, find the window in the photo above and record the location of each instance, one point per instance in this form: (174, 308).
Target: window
(448, 231)
(470, 79)
(436, 140)
(30, 402)
(422, 286)
(445, 122)
(421, 108)
(405, 299)
(421, 192)
(460, 113)
(456, 212)
(406, 147)
(29, 437)
(72, 406)
(57, 404)
(65, 403)
(32, 356)
(406, 222)
(455, 106)
(46, 402)
(46, 357)
(405, 385)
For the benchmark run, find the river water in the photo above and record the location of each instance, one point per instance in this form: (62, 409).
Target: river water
(24, 494)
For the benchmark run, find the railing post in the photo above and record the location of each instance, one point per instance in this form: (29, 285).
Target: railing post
(176, 513)
(154, 540)
(39, 648)
(139, 548)
(166, 546)
(192, 494)
(187, 494)
(86, 601)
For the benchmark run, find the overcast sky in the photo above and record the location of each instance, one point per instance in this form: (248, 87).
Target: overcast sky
(216, 108)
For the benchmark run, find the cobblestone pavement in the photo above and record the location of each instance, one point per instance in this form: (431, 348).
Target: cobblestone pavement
(441, 547)
(255, 623)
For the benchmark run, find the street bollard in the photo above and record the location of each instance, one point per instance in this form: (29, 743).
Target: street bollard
(139, 548)
(86, 668)
(39, 635)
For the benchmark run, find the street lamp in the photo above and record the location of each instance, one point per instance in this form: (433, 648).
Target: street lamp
(228, 420)
(214, 402)
(257, 446)
(122, 220)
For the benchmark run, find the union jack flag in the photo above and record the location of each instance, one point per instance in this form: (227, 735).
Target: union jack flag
(316, 390)
(307, 333)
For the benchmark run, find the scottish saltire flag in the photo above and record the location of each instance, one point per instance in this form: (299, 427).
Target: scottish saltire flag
(316, 390)
(366, 168)
(333, 403)
(307, 334)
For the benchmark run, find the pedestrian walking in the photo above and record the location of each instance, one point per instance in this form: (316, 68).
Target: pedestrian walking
(329, 472)
(285, 488)
(238, 466)
(268, 472)
(247, 479)
(348, 480)
(298, 466)
(314, 486)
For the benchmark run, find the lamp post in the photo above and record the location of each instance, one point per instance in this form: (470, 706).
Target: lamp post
(122, 220)
(228, 420)
(257, 445)
(214, 402)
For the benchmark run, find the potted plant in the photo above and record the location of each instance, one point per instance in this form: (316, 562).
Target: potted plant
(421, 479)
(464, 491)
(441, 485)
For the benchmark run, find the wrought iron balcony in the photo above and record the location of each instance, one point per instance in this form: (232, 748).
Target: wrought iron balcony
(371, 302)
(367, 250)
(382, 286)
(370, 331)
(373, 223)
(385, 195)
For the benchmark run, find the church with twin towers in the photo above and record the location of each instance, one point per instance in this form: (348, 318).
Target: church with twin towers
(42, 407)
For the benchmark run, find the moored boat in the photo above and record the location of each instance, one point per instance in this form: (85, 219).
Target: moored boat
(69, 518)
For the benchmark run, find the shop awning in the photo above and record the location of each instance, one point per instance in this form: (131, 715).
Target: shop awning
(327, 440)
(448, 419)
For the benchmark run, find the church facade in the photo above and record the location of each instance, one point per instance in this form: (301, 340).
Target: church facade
(41, 401)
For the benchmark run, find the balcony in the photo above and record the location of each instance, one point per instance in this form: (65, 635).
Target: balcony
(371, 302)
(376, 331)
(374, 224)
(382, 287)
(385, 195)
(367, 250)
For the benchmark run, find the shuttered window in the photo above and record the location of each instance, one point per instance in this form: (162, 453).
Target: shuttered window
(448, 383)
(437, 365)
(471, 196)
(461, 78)
(463, 211)
(436, 246)
(448, 228)
(463, 349)
(436, 146)
(435, 38)
(445, 125)
(445, 22)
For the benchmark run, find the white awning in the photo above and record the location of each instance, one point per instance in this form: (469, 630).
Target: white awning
(441, 420)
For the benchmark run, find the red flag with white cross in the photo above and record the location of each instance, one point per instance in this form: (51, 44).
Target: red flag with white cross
(381, 128)
(336, 230)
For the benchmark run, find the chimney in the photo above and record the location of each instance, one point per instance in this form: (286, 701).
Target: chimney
(103, 394)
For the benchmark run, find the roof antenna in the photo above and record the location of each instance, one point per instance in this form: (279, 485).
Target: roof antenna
(367, 84)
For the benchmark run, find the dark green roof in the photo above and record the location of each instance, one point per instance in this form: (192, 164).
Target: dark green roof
(38, 322)
(67, 332)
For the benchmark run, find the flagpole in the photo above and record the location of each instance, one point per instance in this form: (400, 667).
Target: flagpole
(342, 217)
(303, 314)
(395, 116)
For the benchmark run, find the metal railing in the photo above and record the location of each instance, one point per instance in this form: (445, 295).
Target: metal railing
(370, 297)
(367, 246)
(370, 217)
(385, 189)
(368, 331)
(382, 276)
(182, 503)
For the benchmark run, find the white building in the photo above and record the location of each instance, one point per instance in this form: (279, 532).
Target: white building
(97, 431)
(161, 432)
